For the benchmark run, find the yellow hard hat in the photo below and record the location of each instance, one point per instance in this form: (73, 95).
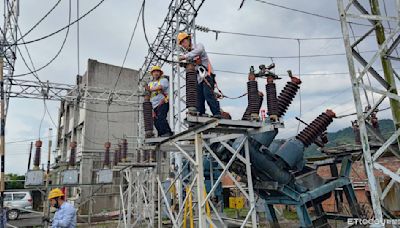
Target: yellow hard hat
(156, 68)
(182, 36)
(55, 193)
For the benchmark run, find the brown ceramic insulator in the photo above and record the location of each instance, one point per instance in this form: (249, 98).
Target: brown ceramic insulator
(72, 156)
(287, 95)
(191, 87)
(316, 128)
(124, 149)
(107, 146)
(252, 97)
(148, 116)
(116, 156)
(119, 152)
(272, 100)
(36, 161)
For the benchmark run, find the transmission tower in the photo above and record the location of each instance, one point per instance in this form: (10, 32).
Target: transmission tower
(383, 86)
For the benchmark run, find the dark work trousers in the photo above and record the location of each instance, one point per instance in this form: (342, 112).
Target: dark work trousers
(160, 121)
(205, 93)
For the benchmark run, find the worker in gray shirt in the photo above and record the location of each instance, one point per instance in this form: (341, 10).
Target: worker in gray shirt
(206, 84)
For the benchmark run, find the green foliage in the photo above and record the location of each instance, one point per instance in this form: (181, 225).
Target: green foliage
(346, 136)
(14, 181)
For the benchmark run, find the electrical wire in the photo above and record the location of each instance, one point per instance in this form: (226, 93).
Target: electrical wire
(40, 21)
(162, 38)
(206, 30)
(307, 13)
(122, 66)
(299, 74)
(283, 57)
(77, 34)
(52, 59)
(61, 29)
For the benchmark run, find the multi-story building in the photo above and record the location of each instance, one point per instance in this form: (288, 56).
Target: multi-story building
(93, 122)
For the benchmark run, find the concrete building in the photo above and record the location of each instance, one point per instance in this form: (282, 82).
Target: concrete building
(91, 123)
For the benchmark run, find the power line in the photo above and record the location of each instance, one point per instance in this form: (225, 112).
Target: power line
(40, 21)
(308, 13)
(282, 57)
(122, 67)
(54, 58)
(217, 32)
(61, 29)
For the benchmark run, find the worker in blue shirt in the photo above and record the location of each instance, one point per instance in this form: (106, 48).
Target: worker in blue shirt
(65, 216)
(206, 84)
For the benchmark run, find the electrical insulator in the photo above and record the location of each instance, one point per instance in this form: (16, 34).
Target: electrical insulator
(253, 99)
(36, 161)
(148, 117)
(316, 128)
(287, 95)
(72, 156)
(124, 150)
(107, 146)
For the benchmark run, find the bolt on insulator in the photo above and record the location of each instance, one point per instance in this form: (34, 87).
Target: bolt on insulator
(148, 117)
(287, 95)
(107, 146)
(316, 128)
(124, 150)
(36, 161)
(272, 100)
(72, 155)
(191, 89)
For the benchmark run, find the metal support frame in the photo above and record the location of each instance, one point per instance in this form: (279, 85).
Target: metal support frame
(201, 146)
(137, 198)
(385, 86)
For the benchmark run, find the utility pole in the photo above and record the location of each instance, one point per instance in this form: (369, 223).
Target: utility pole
(46, 202)
(387, 67)
(2, 142)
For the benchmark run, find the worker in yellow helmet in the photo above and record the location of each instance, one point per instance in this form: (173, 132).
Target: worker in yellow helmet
(205, 85)
(65, 215)
(158, 89)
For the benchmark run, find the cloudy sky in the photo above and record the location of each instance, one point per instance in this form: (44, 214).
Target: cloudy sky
(104, 36)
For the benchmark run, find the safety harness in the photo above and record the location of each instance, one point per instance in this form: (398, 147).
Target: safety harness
(153, 84)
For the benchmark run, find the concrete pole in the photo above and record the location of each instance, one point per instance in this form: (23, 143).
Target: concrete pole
(2, 141)
(387, 66)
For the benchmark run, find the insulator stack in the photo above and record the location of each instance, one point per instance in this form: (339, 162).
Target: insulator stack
(72, 156)
(253, 99)
(119, 152)
(148, 117)
(116, 156)
(36, 161)
(287, 95)
(272, 100)
(191, 88)
(107, 146)
(124, 150)
(316, 128)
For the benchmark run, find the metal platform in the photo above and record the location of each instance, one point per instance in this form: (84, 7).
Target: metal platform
(124, 165)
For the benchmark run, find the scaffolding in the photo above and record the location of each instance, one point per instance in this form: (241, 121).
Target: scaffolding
(137, 198)
(194, 144)
(382, 86)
